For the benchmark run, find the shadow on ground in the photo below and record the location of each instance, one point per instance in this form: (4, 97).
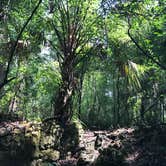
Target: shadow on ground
(49, 144)
(134, 147)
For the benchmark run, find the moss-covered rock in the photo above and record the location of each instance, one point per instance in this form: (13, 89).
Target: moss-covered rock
(37, 144)
(51, 134)
(50, 154)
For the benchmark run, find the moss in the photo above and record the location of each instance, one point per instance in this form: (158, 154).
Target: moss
(50, 154)
(48, 142)
(69, 140)
(51, 134)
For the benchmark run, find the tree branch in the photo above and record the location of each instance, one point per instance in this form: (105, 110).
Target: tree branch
(145, 52)
(6, 82)
(15, 46)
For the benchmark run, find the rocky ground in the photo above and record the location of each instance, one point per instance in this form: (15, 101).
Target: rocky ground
(34, 144)
(122, 147)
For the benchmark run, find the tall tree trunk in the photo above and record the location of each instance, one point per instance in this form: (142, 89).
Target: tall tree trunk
(142, 109)
(114, 102)
(118, 98)
(80, 96)
(127, 115)
(63, 102)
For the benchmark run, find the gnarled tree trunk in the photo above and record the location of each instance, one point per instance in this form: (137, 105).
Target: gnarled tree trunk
(63, 102)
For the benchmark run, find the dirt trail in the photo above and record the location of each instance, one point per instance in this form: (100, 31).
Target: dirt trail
(94, 146)
(122, 147)
(97, 143)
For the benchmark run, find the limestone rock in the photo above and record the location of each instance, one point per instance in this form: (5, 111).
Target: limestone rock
(50, 154)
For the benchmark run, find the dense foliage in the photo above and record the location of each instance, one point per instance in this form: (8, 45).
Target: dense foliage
(100, 61)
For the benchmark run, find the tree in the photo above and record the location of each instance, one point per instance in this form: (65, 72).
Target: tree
(72, 23)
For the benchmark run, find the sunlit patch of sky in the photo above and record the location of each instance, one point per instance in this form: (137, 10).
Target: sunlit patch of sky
(107, 5)
(45, 50)
(45, 53)
(109, 94)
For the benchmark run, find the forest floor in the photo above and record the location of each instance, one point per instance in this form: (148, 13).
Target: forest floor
(121, 147)
(134, 146)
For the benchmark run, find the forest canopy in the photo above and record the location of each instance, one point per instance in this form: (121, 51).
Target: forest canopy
(100, 61)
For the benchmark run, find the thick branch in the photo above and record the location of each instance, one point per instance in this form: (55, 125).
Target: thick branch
(6, 82)
(59, 36)
(15, 46)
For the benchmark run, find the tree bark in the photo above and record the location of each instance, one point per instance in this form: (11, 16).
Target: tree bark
(63, 101)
